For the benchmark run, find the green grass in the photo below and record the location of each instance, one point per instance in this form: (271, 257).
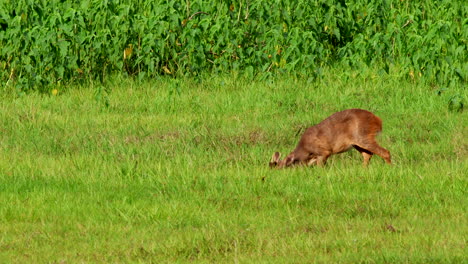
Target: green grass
(161, 176)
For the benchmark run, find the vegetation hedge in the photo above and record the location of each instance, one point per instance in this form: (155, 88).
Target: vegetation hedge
(45, 41)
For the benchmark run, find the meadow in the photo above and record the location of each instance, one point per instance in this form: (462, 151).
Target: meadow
(176, 170)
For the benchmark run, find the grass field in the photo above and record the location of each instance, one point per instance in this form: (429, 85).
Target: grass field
(178, 172)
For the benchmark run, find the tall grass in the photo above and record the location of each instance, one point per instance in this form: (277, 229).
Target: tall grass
(46, 42)
(184, 178)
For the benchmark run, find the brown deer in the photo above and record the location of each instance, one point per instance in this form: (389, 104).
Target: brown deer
(338, 133)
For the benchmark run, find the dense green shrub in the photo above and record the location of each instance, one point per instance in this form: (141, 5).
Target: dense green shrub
(43, 42)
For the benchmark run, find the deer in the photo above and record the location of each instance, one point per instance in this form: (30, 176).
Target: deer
(351, 128)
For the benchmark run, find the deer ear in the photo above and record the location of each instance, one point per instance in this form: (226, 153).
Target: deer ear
(289, 160)
(276, 156)
(274, 159)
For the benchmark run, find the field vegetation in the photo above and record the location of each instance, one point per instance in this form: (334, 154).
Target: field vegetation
(141, 131)
(43, 42)
(159, 176)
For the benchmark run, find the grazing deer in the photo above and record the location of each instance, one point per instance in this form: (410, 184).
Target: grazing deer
(338, 133)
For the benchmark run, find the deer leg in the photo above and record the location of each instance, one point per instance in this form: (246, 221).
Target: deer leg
(374, 148)
(322, 159)
(367, 155)
(312, 161)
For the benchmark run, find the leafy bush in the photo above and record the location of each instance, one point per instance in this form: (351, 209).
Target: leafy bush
(43, 42)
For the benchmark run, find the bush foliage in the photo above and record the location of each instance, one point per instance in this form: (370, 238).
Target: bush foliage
(43, 42)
